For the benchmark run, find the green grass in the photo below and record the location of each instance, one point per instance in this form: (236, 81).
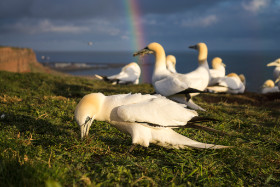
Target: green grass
(40, 141)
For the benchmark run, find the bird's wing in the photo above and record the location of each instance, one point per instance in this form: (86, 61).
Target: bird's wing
(170, 85)
(216, 73)
(230, 82)
(157, 112)
(128, 74)
(276, 72)
(117, 76)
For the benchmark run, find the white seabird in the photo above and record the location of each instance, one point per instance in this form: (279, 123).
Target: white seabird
(276, 71)
(278, 81)
(171, 63)
(129, 75)
(147, 118)
(218, 71)
(232, 83)
(176, 86)
(269, 87)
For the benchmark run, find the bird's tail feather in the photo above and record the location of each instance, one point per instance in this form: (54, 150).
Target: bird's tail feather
(172, 139)
(105, 78)
(191, 90)
(193, 123)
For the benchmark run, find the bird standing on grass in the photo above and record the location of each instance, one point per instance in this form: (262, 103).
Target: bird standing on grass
(218, 71)
(129, 75)
(276, 71)
(147, 118)
(176, 86)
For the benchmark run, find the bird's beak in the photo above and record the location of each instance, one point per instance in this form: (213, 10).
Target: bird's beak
(193, 47)
(223, 64)
(143, 52)
(272, 64)
(277, 80)
(85, 128)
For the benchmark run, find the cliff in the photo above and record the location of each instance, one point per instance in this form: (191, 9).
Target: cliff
(20, 60)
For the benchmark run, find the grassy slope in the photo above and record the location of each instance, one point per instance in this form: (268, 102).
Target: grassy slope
(40, 141)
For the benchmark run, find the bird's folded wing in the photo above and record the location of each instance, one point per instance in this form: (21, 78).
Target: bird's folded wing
(228, 82)
(231, 82)
(117, 76)
(170, 85)
(159, 111)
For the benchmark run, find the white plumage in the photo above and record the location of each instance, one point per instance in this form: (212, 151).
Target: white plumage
(171, 63)
(232, 83)
(129, 75)
(276, 71)
(269, 87)
(278, 81)
(218, 71)
(147, 118)
(176, 86)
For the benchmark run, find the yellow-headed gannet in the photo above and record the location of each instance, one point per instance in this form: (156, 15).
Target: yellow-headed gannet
(276, 71)
(171, 63)
(232, 83)
(129, 75)
(147, 118)
(269, 87)
(218, 71)
(176, 86)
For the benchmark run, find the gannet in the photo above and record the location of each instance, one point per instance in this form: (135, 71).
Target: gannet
(147, 118)
(276, 71)
(176, 86)
(218, 71)
(129, 75)
(269, 87)
(232, 83)
(171, 63)
(278, 81)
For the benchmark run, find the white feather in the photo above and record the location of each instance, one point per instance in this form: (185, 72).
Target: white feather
(126, 111)
(129, 74)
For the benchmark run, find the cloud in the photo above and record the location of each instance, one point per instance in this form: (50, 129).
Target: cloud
(255, 5)
(200, 22)
(44, 26)
(47, 26)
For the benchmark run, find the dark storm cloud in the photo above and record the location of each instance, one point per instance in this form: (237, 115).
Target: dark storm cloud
(61, 9)
(173, 23)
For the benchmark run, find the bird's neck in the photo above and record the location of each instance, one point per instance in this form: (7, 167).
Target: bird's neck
(202, 56)
(203, 63)
(160, 61)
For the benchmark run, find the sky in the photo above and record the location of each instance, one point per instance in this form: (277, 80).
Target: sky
(127, 25)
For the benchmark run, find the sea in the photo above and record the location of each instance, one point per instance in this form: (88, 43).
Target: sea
(250, 63)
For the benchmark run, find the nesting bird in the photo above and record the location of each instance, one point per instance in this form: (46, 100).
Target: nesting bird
(147, 118)
(171, 63)
(218, 71)
(176, 86)
(232, 83)
(269, 87)
(276, 71)
(129, 74)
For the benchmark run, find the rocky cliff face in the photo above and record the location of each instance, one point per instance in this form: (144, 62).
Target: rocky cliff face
(19, 60)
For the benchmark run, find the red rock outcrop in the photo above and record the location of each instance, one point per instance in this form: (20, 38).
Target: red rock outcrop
(20, 60)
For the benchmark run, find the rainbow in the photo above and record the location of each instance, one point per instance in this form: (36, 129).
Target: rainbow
(137, 34)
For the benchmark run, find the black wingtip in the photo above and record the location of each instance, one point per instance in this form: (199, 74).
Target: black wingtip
(198, 119)
(191, 90)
